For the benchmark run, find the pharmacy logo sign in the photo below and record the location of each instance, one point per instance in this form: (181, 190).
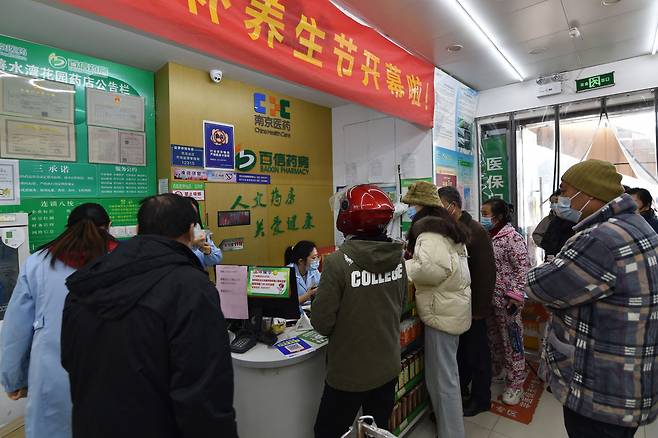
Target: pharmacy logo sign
(57, 61)
(245, 160)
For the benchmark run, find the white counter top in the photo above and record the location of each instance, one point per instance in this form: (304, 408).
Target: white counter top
(263, 356)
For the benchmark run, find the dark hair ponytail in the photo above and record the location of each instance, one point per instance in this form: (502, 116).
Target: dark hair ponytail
(411, 235)
(84, 239)
(500, 209)
(301, 250)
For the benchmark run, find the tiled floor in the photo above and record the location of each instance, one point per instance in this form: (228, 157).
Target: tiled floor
(547, 423)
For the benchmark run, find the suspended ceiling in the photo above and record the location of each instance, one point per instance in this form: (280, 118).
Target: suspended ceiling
(427, 27)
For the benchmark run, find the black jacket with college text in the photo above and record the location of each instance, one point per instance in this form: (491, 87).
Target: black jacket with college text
(146, 346)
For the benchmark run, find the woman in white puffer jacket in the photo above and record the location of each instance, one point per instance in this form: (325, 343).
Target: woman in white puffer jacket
(439, 271)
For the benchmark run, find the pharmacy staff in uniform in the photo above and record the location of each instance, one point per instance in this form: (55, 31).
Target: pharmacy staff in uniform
(305, 259)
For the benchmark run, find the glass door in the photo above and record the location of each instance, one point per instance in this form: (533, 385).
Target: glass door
(535, 154)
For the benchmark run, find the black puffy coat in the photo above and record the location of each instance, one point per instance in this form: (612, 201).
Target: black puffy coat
(650, 217)
(146, 346)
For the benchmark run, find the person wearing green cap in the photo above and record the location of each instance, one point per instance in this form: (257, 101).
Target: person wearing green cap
(602, 287)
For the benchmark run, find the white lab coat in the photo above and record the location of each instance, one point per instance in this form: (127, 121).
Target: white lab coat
(30, 347)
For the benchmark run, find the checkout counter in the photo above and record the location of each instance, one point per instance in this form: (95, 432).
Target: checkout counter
(278, 387)
(278, 395)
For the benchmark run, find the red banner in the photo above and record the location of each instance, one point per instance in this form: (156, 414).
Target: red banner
(309, 42)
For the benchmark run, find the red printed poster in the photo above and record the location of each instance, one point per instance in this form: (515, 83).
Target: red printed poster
(310, 42)
(443, 180)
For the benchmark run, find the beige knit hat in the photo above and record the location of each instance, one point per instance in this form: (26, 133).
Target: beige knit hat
(422, 193)
(596, 178)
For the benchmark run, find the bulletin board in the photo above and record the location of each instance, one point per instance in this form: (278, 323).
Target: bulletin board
(282, 176)
(453, 136)
(82, 130)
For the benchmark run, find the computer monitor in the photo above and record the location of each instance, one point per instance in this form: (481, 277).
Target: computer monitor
(272, 292)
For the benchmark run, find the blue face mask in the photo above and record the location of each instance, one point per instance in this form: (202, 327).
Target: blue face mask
(315, 265)
(563, 210)
(411, 212)
(487, 223)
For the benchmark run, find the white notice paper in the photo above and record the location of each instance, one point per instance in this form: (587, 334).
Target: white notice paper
(115, 110)
(163, 186)
(10, 193)
(103, 145)
(133, 148)
(232, 287)
(36, 139)
(37, 98)
(13, 237)
(444, 111)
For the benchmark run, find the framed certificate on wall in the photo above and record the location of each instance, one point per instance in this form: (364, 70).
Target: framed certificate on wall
(37, 98)
(33, 139)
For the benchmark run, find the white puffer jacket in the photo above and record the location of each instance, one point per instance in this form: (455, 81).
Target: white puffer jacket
(439, 271)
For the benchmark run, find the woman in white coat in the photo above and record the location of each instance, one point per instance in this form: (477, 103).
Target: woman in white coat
(31, 364)
(439, 271)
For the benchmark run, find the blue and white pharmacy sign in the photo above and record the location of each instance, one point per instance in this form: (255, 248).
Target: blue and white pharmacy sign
(218, 146)
(186, 156)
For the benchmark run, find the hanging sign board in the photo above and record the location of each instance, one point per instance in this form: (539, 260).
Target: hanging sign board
(309, 42)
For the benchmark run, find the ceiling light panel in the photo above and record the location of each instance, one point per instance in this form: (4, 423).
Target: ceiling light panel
(478, 27)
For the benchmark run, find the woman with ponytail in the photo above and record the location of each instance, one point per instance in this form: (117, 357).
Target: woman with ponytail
(30, 338)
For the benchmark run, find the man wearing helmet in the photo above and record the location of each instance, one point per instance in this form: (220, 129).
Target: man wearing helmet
(358, 306)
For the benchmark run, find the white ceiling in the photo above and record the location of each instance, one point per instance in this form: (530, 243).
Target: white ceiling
(39, 22)
(427, 27)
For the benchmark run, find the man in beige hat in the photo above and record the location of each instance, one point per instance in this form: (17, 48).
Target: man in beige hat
(602, 287)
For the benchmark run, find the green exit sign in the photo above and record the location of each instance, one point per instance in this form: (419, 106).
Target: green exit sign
(594, 82)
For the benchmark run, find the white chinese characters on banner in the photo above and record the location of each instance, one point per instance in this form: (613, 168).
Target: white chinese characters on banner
(494, 163)
(77, 79)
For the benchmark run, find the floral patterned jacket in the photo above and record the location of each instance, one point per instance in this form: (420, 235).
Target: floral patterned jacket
(512, 265)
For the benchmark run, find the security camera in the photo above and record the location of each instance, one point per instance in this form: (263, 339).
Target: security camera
(574, 32)
(216, 75)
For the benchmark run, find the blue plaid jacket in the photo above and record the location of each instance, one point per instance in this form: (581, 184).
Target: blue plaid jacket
(602, 346)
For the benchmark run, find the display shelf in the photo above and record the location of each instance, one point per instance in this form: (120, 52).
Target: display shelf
(410, 385)
(416, 343)
(413, 419)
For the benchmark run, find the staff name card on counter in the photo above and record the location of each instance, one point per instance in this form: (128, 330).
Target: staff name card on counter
(232, 287)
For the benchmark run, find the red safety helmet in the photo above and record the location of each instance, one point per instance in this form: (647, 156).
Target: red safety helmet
(364, 210)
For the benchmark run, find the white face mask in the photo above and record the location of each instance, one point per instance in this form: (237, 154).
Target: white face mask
(563, 210)
(411, 212)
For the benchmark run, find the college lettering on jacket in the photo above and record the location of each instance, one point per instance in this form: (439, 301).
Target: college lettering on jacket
(365, 278)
